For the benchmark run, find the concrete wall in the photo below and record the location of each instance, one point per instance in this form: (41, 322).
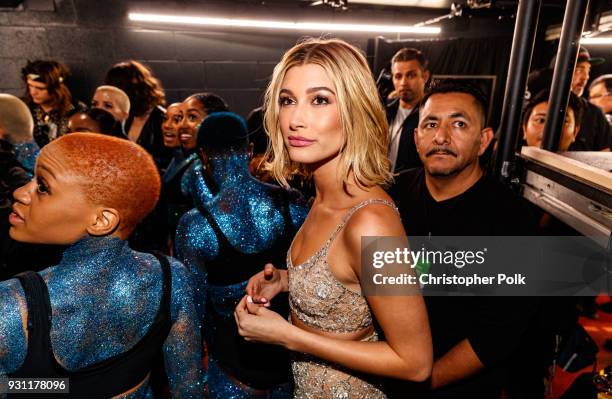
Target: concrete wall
(89, 36)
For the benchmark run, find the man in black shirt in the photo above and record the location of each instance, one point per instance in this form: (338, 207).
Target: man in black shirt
(473, 337)
(595, 133)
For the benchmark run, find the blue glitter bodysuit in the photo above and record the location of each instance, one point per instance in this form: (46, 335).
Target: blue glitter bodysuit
(225, 240)
(104, 298)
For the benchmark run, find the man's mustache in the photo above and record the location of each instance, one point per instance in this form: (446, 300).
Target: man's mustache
(441, 149)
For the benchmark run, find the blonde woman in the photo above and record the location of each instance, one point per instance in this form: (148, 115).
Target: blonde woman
(325, 120)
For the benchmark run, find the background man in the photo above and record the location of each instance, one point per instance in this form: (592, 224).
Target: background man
(473, 337)
(600, 94)
(596, 133)
(409, 74)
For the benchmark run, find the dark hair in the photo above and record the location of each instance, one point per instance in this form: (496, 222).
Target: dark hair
(459, 86)
(409, 54)
(211, 102)
(107, 122)
(605, 79)
(53, 74)
(574, 103)
(223, 131)
(137, 81)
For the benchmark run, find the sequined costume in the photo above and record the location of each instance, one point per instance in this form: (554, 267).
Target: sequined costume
(319, 300)
(104, 298)
(51, 125)
(26, 153)
(226, 239)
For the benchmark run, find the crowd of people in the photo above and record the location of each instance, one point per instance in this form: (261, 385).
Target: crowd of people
(154, 249)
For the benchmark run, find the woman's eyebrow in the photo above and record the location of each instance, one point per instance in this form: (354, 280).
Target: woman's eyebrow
(314, 89)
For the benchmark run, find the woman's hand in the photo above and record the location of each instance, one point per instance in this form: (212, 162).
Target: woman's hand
(258, 324)
(266, 284)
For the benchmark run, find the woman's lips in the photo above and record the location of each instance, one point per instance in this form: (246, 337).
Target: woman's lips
(14, 219)
(298, 141)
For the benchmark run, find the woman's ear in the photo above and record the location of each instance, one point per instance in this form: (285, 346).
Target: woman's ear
(106, 222)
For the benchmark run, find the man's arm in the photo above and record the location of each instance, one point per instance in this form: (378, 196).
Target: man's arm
(457, 364)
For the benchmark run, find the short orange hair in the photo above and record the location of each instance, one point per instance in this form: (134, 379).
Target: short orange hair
(117, 173)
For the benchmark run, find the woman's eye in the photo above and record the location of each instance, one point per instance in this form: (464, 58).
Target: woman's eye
(285, 101)
(320, 100)
(41, 187)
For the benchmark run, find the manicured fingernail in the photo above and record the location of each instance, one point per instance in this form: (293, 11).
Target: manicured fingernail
(249, 299)
(264, 300)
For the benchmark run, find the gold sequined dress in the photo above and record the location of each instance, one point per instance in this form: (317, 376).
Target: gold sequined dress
(319, 300)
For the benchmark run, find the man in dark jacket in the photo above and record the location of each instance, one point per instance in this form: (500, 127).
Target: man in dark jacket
(409, 74)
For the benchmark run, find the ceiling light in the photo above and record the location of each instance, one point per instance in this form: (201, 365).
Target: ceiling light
(405, 3)
(596, 40)
(254, 23)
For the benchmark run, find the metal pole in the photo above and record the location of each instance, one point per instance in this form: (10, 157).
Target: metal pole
(520, 60)
(573, 21)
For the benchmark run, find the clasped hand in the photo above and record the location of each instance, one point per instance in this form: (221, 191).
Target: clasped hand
(255, 322)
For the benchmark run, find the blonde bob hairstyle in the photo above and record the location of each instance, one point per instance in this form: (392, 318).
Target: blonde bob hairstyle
(365, 144)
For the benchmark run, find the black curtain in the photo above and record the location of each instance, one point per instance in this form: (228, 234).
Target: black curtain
(460, 57)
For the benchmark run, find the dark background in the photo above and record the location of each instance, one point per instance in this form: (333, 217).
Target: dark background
(89, 36)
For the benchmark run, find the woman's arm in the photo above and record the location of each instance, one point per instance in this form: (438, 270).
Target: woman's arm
(14, 311)
(406, 352)
(183, 346)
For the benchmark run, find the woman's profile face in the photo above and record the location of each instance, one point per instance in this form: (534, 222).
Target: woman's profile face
(52, 208)
(309, 116)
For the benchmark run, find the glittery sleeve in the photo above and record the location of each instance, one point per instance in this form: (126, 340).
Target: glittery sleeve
(193, 184)
(12, 336)
(188, 179)
(183, 347)
(298, 208)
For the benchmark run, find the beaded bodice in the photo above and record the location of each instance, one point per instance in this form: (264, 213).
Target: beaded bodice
(317, 298)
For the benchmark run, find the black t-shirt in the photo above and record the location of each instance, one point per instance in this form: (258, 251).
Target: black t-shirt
(595, 132)
(494, 326)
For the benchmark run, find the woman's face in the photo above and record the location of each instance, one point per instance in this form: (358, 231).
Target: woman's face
(81, 122)
(52, 208)
(39, 92)
(172, 120)
(309, 117)
(193, 115)
(534, 128)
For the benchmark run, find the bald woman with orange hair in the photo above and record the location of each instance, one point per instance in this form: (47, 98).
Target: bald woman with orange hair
(105, 313)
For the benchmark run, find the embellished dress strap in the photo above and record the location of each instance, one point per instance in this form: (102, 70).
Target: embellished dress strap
(354, 209)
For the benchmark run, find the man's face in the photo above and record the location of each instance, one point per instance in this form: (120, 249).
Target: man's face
(450, 136)
(581, 77)
(107, 100)
(409, 81)
(39, 93)
(601, 97)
